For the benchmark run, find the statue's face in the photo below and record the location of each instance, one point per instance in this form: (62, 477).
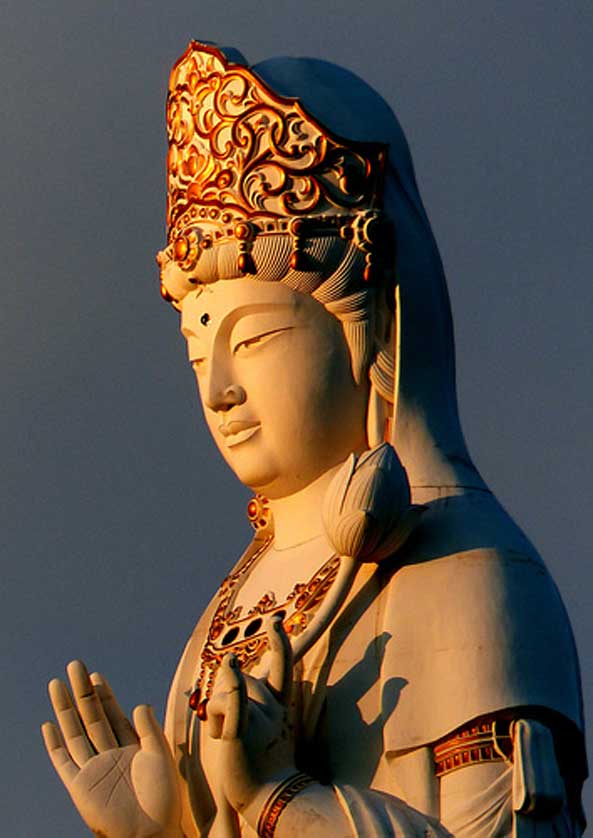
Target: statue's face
(274, 376)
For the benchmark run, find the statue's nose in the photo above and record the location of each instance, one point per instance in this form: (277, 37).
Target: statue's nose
(224, 399)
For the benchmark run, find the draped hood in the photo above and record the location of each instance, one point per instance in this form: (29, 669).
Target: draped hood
(428, 436)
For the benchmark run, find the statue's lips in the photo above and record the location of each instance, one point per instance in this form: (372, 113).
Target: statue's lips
(237, 431)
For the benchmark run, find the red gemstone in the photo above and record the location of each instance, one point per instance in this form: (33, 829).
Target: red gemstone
(297, 261)
(242, 231)
(181, 248)
(246, 264)
(194, 700)
(297, 226)
(165, 294)
(201, 711)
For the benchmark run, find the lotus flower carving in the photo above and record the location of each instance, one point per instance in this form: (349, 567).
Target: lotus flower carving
(367, 512)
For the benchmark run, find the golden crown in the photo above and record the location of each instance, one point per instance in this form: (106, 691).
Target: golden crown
(244, 161)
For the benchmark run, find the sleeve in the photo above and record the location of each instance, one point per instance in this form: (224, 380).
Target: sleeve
(378, 815)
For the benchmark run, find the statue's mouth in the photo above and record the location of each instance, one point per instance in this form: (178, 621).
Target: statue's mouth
(237, 431)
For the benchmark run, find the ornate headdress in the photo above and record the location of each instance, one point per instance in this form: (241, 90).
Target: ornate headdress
(246, 164)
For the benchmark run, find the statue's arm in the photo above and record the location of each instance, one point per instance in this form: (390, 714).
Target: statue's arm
(249, 719)
(524, 791)
(257, 775)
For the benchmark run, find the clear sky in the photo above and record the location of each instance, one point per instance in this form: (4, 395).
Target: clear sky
(120, 517)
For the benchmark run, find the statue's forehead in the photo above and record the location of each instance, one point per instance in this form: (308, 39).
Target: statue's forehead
(211, 306)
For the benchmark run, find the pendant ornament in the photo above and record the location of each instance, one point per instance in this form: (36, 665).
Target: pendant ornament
(258, 513)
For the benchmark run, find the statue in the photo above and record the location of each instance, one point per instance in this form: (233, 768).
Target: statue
(389, 656)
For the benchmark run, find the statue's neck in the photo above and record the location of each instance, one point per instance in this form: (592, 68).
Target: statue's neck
(297, 518)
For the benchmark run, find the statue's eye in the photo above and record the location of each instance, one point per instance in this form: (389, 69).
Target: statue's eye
(245, 345)
(205, 319)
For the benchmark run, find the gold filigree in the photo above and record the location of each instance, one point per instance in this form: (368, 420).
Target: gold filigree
(278, 801)
(237, 150)
(246, 637)
(265, 604)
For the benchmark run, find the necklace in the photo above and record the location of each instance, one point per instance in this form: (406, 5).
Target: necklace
(298, 544)
(246, 635)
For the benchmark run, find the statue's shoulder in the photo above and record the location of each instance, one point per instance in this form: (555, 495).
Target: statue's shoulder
(473, 617)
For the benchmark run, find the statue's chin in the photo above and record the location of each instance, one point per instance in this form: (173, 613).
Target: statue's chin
(271, 482)
(256, 470)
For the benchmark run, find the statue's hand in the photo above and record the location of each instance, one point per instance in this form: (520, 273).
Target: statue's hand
(249, 717)
(121, 777)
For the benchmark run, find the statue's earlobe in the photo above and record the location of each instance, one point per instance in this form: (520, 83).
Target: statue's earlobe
(377, 418)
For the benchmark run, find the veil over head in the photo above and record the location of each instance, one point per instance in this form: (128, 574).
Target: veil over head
(427, 432)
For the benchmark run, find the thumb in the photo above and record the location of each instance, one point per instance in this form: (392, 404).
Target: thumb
(151, 736)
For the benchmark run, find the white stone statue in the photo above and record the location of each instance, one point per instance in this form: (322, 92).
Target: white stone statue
(390, 655)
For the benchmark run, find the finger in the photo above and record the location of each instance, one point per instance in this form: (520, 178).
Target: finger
(75, 737)
(120, 724)
(90, 708)
(280, 676)
(60, 758)
(217, 704)
(151, 736)
(216, 714)
(235, 718)
(227, 709)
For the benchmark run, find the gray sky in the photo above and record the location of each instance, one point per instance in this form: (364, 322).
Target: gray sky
(120, 517)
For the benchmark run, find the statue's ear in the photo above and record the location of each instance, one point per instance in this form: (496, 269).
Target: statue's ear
(377, 418)
(382, 373)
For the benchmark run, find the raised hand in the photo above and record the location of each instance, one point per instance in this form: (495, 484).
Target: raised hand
(250, 718)
(121, 777)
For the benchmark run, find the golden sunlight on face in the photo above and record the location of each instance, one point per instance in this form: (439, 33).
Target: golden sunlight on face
(274, 377)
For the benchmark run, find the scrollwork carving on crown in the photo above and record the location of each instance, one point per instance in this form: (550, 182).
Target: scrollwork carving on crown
(235, 146)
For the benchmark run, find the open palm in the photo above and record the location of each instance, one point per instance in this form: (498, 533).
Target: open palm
(121, 777)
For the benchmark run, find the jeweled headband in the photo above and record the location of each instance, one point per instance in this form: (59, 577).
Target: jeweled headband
(245, 163)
